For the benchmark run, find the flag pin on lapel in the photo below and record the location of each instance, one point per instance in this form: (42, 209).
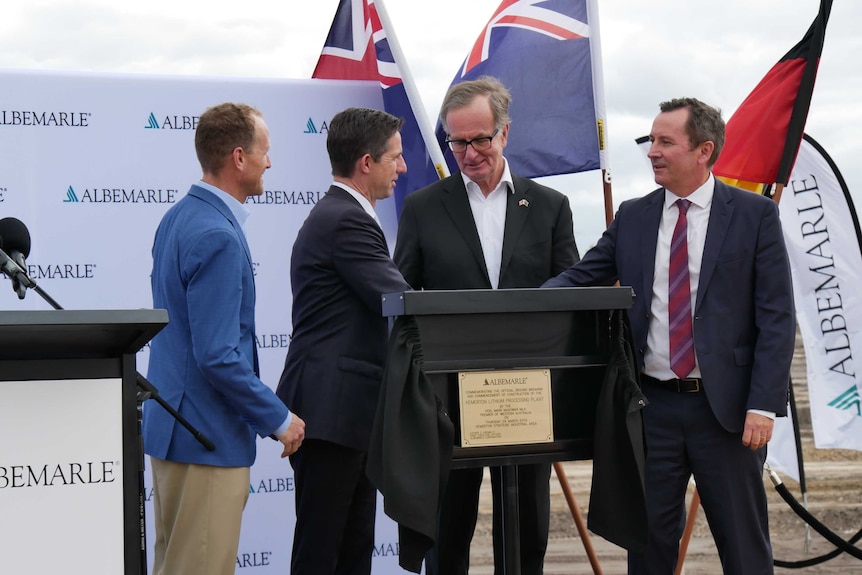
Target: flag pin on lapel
(524, 203)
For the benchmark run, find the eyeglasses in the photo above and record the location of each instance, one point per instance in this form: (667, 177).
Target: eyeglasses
(479, 144)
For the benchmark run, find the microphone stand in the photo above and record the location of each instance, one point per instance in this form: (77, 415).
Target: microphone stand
(17, 274)
(12, 270)
(146, 390)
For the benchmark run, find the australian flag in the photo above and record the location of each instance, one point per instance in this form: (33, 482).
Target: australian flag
(357, 48)
(540, 50)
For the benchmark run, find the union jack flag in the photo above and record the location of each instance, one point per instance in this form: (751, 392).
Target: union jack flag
(357, 48)
(540, 50)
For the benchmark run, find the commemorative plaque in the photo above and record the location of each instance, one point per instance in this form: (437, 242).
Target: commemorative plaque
(505, 407)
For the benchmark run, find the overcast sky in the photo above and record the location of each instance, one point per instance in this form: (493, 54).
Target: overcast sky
(652, 51)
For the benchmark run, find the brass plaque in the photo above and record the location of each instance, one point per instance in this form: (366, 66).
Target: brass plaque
(505, 407)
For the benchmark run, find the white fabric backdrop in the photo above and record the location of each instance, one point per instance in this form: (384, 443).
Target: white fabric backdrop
(91, 162)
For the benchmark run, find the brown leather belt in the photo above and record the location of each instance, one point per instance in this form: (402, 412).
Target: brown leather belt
(687, 385)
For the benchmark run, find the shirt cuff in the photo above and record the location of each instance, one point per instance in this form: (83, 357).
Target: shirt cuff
(769, 414)
(283, 427)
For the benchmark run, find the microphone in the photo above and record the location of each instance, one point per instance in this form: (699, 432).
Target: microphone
(16, 242)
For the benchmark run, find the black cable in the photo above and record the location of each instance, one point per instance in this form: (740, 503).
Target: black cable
(841, 544)
(816, 560)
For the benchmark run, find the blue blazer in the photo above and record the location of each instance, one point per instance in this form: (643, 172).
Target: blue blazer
(744, 322)
(204, 362)
(339, 269)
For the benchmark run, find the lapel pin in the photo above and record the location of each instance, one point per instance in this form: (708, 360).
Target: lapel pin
(524, 203)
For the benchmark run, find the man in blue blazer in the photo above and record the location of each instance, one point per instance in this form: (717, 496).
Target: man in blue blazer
(711, 406)
(339, 269)
(205, 361)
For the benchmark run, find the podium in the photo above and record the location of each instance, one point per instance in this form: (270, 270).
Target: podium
(519, 371)
(70, 454)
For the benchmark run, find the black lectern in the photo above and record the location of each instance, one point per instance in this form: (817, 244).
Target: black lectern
(519, 371)
(70, 458)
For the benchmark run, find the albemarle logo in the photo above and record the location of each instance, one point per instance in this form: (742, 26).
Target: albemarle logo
(311, 128)
(272, 485)
(172, 122)
(849, 400)
(121, 196)
(152, 123)
(53, 119)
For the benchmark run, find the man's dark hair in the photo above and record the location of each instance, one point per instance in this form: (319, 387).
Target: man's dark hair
(355, 132)
(704, 123)
(221, 129)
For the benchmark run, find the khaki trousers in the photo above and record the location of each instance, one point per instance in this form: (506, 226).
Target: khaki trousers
(198, 514)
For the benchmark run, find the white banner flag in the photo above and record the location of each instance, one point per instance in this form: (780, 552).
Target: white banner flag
(822, 234)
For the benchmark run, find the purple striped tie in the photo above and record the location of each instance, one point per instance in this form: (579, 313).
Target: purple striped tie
(679, 298)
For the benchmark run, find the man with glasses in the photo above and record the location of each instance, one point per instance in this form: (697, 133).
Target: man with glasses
(484, 228)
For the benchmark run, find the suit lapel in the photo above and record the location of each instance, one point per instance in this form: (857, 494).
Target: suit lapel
(457, 205)
(220, 206)
(651, 218)
(517, 210)
(719, 222)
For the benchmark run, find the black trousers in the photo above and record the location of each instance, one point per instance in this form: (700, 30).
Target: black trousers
(459, 511)
(335, 508)
(683, 439)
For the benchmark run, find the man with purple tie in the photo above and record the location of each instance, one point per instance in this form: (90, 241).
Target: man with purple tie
(714, 328)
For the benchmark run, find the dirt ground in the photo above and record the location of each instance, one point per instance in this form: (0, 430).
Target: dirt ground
(834, 481)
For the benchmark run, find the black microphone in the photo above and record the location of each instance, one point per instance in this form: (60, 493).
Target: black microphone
(16, 239)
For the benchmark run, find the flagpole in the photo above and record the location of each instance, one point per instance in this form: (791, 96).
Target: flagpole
(599, 103)
(413, 97)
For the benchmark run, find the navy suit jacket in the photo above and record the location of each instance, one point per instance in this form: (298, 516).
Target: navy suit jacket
(744, 322)
(438, 246)
(205, 361)
(339, 270)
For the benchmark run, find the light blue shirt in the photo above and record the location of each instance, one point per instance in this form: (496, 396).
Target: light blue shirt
(239, 211)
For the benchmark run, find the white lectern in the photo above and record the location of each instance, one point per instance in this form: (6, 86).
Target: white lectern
(70, 454)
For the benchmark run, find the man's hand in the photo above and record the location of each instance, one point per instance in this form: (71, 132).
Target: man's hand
(293, 436)
(758, 430)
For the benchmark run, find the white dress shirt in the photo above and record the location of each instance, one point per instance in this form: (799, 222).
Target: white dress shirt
(489, 213)
(657, 356)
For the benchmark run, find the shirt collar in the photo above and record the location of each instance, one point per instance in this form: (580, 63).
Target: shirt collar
(363, 201)
(239, 211)
(701, 197)
(506, 178)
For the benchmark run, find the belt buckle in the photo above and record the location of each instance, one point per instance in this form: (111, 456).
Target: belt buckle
(689, 380)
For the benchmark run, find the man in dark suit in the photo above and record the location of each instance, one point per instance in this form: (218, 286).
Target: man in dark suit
(205, 361)
(714, 329)
(339, 269)
(484, 228)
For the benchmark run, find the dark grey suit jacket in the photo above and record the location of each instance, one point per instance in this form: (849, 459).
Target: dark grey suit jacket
(339, 269)
(438, 246)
